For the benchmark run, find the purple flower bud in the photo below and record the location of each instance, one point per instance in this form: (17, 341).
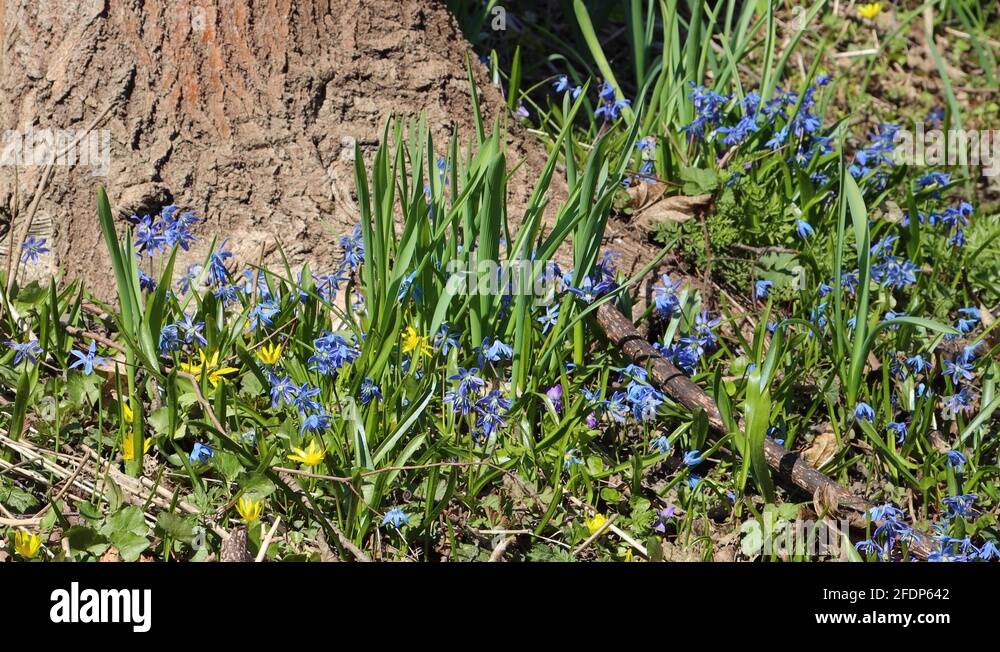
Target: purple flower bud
(555, 395)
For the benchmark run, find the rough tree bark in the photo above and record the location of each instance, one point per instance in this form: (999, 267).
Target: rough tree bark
(245, 111)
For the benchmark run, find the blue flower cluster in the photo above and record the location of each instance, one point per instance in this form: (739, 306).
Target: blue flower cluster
(690, 349)
(161, 233)
(468, 398)
(330, 353)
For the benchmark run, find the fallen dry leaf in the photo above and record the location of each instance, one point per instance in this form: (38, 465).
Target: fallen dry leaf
(821, 450)
(677, 208)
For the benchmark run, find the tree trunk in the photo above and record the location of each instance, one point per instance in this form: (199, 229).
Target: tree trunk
(246, 112)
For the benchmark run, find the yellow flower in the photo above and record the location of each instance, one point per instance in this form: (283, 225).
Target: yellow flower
(27, 544)
(216, 374)
(269, 354)
(249, 509)
(628, 555)
(414, 342)
(595, 523)
(127, 412)
(870, 10)
(128, 449)
(311, 456)
(192, 368)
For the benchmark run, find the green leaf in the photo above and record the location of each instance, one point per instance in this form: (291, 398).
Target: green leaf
(83, 538)
(175, 526)
(130, 545)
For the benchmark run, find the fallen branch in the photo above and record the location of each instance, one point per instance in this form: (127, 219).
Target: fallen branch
(787, 464)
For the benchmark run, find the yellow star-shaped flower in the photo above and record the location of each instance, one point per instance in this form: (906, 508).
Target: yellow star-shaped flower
(269, 354)
(249, 509)
(414, 342)
(595, 523)
(870, 10)
(128, 448)
(311, 456)
(27, 544)
(209, 367)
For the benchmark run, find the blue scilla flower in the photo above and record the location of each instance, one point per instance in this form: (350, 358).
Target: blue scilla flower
(939, 179)
(693, 481)
(201, 453)
(692, 458)
(491, 409)
(737, 134)
(283, 390)
(864, 412)
(228, 294)
(330, 353)
(87, 360)
(633, 371)
(571, 458)
(804, 229)
(369, 390)
(191, 331)
(960, 505)
(262, 315)
(32, 248)
(968, 320)
(561, 85)
(304, 399)
(708, 106)
(960, 401)
(885, 511)
(146, 282)
(871, 547)
(495, 350)
(895, 272)
(446, 339)
(396, 517)
(899, 428)
(218, 273)
(661, 445)
(703, 328)
(405, 285)
(665, 297)
(644, 399)
(29, 351)
(956, 460)
(315, 422)
(616, 407)
(353, 246)
(761, 288)
(959, 369)
(328, 285)
(609, 108)
(170, 340)
(682, 355)
(184, 283)
(778, 138)
(469, 382)
(550, 318)
(918, 363)
(589, 290)
(149, 237)
(988, 551)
